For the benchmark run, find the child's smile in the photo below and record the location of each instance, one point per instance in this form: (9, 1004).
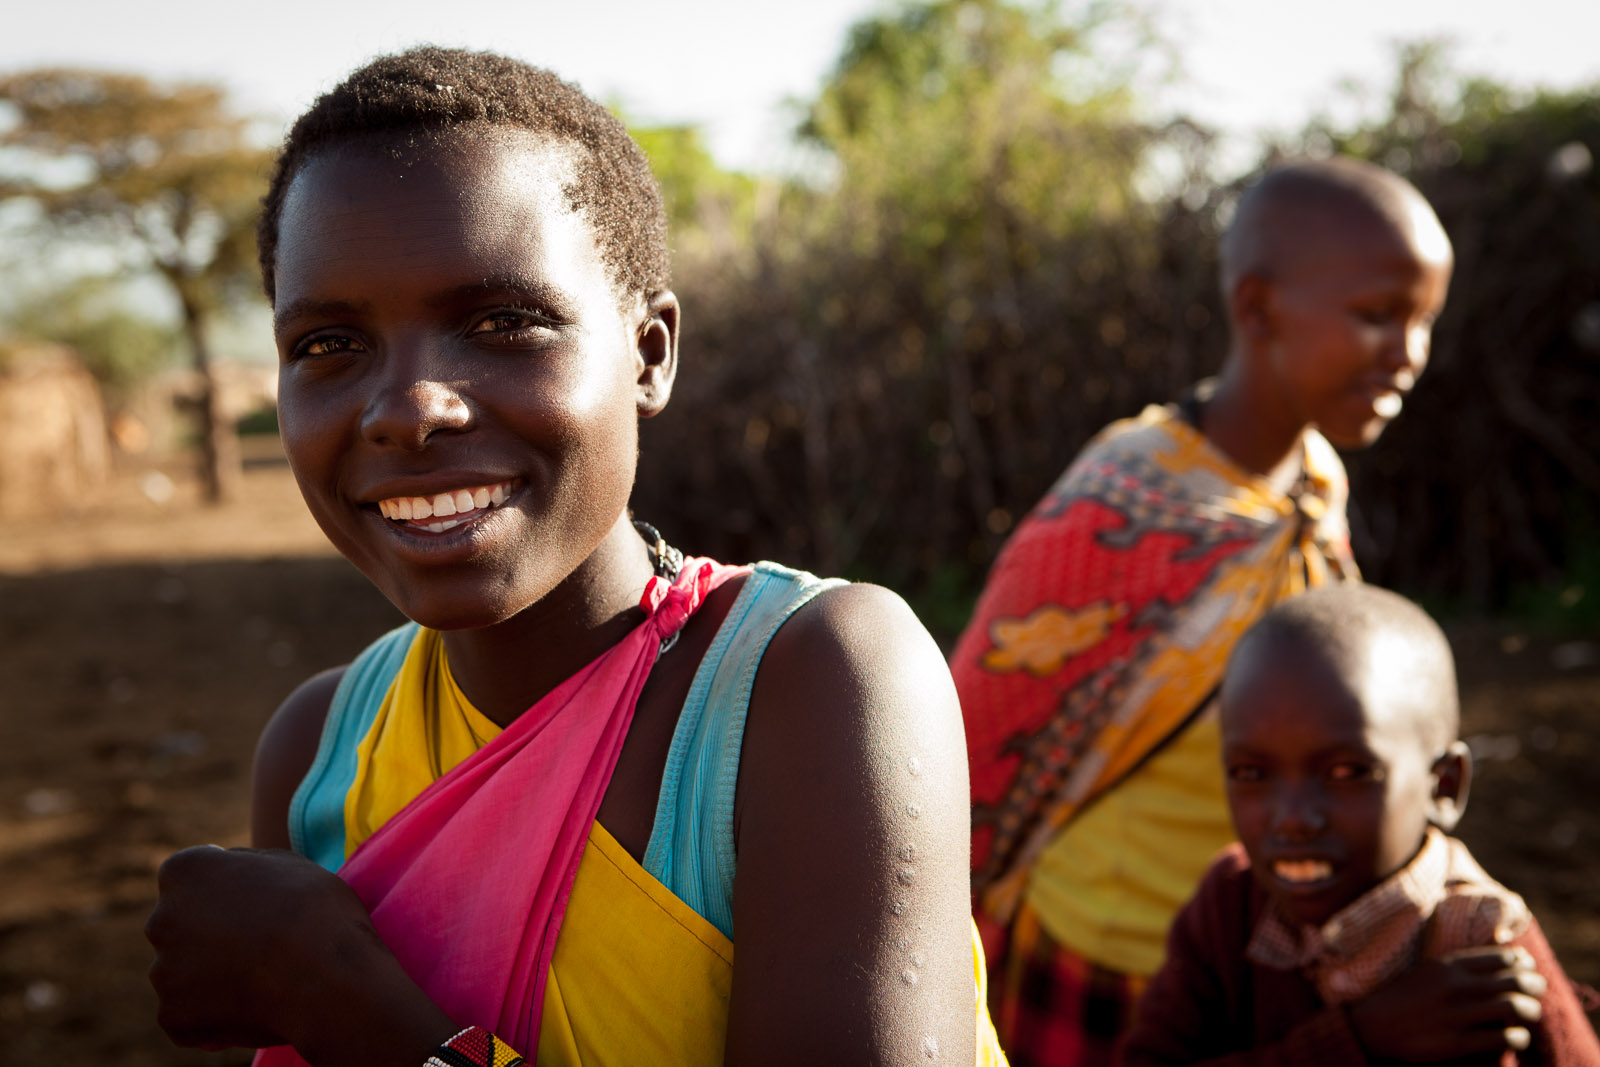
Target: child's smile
(1330, 789)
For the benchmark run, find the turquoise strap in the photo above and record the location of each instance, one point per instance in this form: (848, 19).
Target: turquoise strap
(316, 813)
(691, 848)
(691, 845)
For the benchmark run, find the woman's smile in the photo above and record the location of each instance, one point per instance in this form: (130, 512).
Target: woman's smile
(459, 378)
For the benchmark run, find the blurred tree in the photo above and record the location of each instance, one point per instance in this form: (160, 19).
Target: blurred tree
(169, 176)
(120, 348)
(703, 201)
(928, 322)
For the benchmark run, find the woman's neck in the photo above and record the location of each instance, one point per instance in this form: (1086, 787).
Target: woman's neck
(1249, 426)
(506, 668)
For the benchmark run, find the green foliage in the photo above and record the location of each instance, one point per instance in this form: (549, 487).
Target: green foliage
(120, 348)
(895, 364)
(973, 105)
(169, 173)
(1570, 603)
(166, 175)
(262, 422)
(694, 188)
(903, 355)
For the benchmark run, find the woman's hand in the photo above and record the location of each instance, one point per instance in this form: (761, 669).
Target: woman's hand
(263, 947)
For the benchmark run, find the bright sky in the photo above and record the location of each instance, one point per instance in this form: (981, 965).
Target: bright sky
(729, 65)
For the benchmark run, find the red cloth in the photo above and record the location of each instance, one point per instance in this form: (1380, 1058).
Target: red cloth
(1052, 1006)
(1108, 618)
(1210, 1005)
(468, 884)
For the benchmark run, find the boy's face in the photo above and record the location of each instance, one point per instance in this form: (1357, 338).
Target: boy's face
(1349, 319)
(449, 334)
(1331, 787)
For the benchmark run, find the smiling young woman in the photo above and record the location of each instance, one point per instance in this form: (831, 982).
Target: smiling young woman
(589, 768)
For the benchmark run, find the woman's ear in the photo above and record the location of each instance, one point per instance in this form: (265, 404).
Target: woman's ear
(1452, 779)
(656, 343)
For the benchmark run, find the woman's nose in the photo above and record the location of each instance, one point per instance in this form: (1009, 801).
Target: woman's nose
(407, 409)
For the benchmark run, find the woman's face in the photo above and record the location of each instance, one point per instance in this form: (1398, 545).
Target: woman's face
(459, 385)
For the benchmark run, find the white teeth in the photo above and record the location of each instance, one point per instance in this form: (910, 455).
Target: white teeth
(443, 505)
(1302, 871)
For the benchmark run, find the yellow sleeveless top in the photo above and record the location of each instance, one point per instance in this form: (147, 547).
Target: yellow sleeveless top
(638, 977)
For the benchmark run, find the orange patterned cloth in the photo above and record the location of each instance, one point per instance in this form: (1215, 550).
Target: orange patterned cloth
(1108, 618)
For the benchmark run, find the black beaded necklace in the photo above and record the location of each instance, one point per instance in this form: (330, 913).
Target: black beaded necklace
(666, 560)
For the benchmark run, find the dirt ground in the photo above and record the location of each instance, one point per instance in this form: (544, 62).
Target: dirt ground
(145, 643)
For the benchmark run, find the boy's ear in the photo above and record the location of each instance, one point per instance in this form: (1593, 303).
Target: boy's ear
(1452, 779)
(657, 346)
(1250, 306)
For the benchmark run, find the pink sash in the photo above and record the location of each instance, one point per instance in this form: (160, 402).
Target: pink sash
(468, 884)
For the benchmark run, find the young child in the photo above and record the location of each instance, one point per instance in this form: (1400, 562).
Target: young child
(590, 766)
(1346, 927)
(1088, 674)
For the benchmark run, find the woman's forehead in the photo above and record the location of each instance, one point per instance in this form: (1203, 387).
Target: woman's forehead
(494, 169)
(470, 200)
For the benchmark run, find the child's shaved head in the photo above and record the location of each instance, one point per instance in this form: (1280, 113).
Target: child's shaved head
(1339, 718)
(1378, 642)
(1290, 215)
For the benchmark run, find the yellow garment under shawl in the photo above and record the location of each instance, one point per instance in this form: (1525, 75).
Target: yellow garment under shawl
(638, 977)
(1107, 886)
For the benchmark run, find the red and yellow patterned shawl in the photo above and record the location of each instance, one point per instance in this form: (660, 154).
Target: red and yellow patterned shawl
(1108, 618)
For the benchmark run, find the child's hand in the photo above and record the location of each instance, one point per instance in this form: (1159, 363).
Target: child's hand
(262, 947)
(1476, 1002)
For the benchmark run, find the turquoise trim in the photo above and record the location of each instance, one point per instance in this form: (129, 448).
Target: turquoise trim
(316, 813)
(691, 848)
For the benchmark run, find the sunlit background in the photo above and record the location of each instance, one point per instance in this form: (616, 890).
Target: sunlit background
(925, 251)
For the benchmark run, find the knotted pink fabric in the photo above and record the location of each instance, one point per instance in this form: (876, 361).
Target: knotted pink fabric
(468, 884)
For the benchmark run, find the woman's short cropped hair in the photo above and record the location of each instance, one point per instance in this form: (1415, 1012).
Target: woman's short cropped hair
(400, 100)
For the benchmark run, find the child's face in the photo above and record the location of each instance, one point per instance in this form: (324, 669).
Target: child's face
(1330, 786)
(446, 329)
(1350, 320)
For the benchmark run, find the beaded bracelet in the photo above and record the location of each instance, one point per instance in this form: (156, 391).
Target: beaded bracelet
(474, 1047)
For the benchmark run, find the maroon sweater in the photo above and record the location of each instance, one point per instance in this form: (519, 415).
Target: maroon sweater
(1209, 1004)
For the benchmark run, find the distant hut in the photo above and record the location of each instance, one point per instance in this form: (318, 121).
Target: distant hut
(54, 447)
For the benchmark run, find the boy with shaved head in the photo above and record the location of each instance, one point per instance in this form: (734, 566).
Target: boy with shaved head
(1088, 674)
(1346, 927)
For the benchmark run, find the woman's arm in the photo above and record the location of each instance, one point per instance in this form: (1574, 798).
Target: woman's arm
(284, 754)
(851, 903)
(260, 946)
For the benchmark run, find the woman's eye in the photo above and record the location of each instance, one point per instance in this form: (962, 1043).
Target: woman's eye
(326, 346)
(1351, 772)
(510, 322)
(1245, 772)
